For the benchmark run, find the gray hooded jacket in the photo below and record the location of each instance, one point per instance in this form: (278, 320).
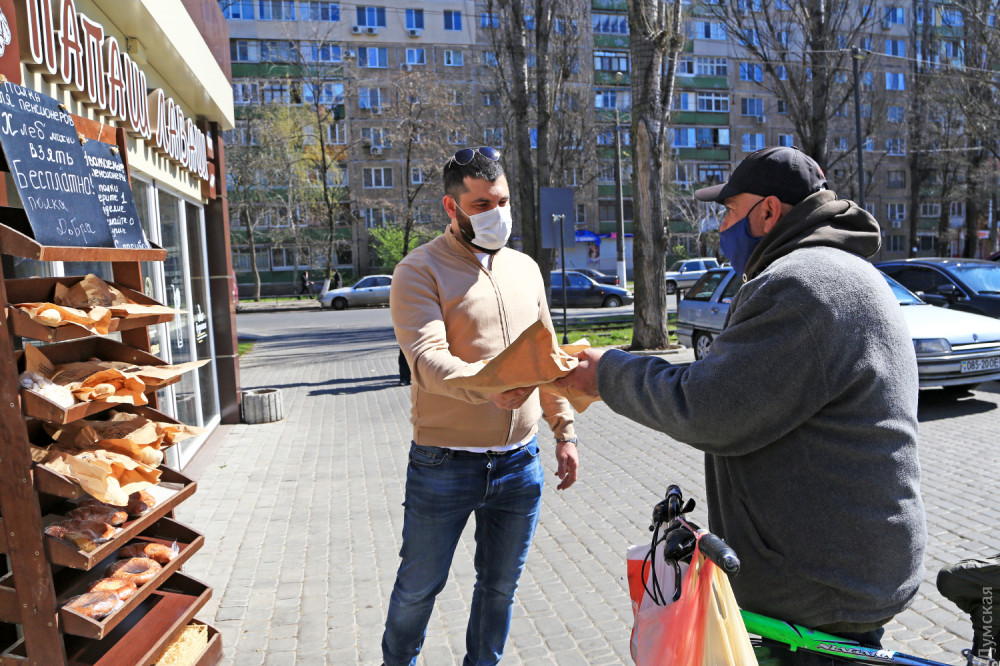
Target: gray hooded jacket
(806, 408)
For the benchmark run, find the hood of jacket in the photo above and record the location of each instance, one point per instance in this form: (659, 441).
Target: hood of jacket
(821, 219)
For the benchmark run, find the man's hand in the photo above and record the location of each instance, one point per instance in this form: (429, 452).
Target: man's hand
(512, 399)
(584, 378)
(568, 459)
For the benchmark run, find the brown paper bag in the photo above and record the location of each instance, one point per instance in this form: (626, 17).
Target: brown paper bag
(93, 380)
(176, 432)
(128, 434)
(110, 477)
(97, 319)
(533, 359)
(88, 292)
(154, 376)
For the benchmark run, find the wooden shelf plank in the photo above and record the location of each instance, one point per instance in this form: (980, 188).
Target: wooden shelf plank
(64, 554)
(164, 532)
(51, 482)
(147, 631)
(212, 654)
(15, 242)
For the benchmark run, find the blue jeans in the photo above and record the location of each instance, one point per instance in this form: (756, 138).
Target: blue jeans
(443, 488)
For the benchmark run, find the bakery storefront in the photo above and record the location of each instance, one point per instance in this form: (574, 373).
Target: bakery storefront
(154, 71)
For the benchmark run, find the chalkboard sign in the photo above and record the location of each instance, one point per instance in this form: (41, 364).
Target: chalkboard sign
(47, 164)
(115, 195)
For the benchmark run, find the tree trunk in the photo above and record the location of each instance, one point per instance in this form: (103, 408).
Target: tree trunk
(253, 255)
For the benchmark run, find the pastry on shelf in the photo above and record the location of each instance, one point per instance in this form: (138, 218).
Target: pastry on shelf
(122, 588)
(95, 605)
(139, 570)
(87, 535)
(154, 551)
(105, 513)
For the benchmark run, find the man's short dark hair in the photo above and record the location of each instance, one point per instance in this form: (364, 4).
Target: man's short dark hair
(480, 168)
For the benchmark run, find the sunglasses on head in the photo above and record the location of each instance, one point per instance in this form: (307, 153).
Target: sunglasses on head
(466, 155)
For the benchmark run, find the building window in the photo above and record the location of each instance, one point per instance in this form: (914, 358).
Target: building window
(782, 106)
(336, 133)
(414, 19)
(457, 138)
(896, 179)
(373, 57)
(374, 217)
(321, 52)
(706, 30)
(610, 24)
(930, 210)
(275, 93)
(894, 16)
(375, 178)
(607, 211)
(487, 99)
(711, 173)
(244, 50)
(895, 211)
(868, 145)
(533, 134)
(713, 102)
(370, 17)
(452, 20)
(751, 72)
(612, 99)
(581, 214)
(895, 47)
(752, 142)
(453, 58)
(895, 146)
(751, 106)
(329, 93)
(246, 92)
(786, 140)
(375, 136)
(238, 9)
(611, 61)
(711, 137)
(416, 176)
(493, 136)
(317, 10)
(278, 51)
(489, 58)
(370, 98)
(952, 17)
(415, 57)
(957, 209)
(487, 20)
(711, 66)
(895, 81)
(894, 114)
(897, 243)
(276, 10)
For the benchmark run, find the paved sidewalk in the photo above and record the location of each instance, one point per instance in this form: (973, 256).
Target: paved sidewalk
(302, 519)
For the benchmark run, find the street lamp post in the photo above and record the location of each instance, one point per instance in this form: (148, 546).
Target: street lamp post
(619, 198)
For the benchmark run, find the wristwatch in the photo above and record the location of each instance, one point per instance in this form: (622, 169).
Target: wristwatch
(574, 440)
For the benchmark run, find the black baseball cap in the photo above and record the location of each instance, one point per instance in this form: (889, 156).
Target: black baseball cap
(786, 173)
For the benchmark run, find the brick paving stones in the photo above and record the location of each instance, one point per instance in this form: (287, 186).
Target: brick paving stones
(302, 518)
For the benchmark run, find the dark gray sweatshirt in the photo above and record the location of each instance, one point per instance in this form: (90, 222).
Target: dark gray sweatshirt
(806, 409)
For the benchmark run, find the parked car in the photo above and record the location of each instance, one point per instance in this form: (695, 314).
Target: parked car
(994, 257)
(971, 285)
(686, 272)
(954, 349)
(583, 292)
(597, 276)
(372, 290)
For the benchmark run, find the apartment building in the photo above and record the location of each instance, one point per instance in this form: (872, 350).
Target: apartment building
(725, 106)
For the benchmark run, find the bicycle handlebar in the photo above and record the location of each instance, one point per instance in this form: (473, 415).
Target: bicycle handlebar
(716, 550)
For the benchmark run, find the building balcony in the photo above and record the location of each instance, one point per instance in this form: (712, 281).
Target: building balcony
(602, 41)
(608, 79)
(703, 82)
(699, 118)
(610, 5)
(608, 191)
(611, 226)
(719, 154)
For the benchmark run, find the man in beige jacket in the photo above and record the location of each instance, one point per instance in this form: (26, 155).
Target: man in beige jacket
(459, 299)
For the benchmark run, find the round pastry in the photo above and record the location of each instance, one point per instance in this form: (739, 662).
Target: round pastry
(103, 513)
(139, 570)
(96, 529)
(95, 604)
(154, 551)
(139, 503)
(122, 588)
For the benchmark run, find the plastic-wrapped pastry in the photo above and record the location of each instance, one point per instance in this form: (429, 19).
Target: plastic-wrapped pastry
(139, 570)
(154, 551)
(86, 535)
(104, 513)
(140, 503)
(119, 586)
(96, 605)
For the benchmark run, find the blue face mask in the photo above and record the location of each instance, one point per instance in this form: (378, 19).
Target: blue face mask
(737, 243)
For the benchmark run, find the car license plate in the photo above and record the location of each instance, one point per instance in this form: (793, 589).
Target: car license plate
(981, 364)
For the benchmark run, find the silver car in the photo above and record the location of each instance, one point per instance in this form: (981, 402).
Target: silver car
(682, 274)
(954, 349)
(372, 290)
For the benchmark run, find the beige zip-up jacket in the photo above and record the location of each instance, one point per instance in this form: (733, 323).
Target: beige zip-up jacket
(448, 310)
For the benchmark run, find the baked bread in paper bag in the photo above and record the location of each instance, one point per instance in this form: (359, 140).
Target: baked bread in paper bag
(134, 436)
(96, 319)
(154, 376)
(108, 476)
(533, 359)
(92, 292)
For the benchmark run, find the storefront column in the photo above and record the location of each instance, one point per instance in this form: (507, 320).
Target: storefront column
(220, 266)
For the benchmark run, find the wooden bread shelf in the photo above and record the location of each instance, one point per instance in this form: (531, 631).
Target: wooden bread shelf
(70, 583)
(15, 239)
(212, 654)
(35, 405)
(145, 633)
(64, 554)
(41, 290)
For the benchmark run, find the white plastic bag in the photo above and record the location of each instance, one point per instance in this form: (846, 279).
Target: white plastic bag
(641, 583)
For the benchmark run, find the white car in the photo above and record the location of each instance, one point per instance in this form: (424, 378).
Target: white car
(372, 290)
(954, 349)
(682, 274)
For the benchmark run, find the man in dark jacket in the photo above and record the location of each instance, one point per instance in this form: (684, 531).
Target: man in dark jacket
(805, 405)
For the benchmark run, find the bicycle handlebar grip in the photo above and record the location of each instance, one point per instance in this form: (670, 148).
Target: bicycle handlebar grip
(719, 552)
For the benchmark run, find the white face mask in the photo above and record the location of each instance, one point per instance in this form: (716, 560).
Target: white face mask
(491, 228)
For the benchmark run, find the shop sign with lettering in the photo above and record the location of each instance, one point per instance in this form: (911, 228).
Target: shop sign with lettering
(71, 49)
